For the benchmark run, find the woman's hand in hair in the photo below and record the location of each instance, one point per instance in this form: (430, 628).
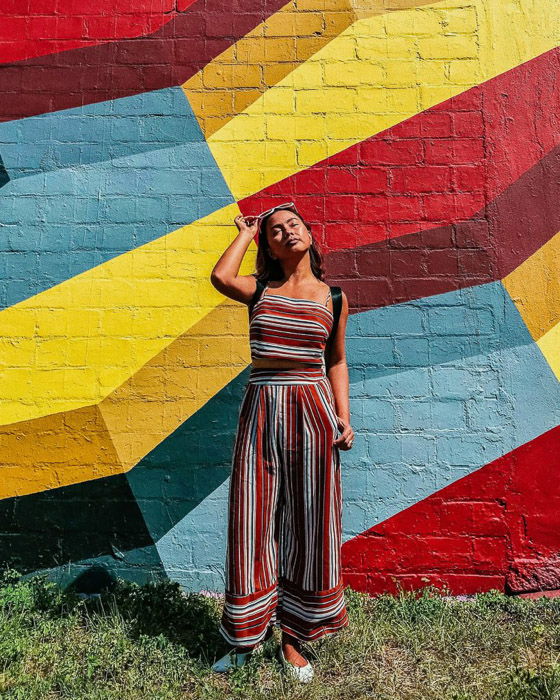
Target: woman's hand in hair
(248, 224)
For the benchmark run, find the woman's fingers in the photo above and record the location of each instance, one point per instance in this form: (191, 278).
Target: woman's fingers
(346, 438)
(246, 222)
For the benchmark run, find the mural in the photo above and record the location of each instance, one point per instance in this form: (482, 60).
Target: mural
(421, 140)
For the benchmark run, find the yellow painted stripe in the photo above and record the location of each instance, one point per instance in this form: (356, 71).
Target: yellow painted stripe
(238, 76)
(549, 345)
(534, 287)
(74, 344)
(379, 71)
(100, 441)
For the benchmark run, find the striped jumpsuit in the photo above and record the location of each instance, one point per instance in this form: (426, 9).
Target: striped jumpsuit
(285, 496)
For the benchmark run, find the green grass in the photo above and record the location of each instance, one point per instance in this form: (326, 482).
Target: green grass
(154, 641)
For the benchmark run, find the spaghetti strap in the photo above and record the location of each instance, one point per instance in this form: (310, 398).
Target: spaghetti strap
(327, 299)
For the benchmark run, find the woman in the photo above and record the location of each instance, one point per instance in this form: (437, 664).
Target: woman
(285, 499)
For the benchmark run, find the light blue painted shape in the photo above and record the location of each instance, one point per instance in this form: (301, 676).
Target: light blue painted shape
(462, 384)
(98, 132)
(141, 565)
(58, 224)
(193, 551)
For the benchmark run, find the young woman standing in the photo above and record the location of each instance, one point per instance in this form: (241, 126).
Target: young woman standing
(285, 499)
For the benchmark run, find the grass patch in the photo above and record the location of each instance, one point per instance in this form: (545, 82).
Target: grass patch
(155, 641)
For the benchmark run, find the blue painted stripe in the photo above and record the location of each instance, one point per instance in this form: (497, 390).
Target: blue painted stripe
(439, 387)
(56, 225)
(98, 132)
(420, 426)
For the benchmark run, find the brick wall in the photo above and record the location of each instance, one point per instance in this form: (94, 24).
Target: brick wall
(421, 142)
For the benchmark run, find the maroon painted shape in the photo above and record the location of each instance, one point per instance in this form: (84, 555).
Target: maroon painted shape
(498, 527)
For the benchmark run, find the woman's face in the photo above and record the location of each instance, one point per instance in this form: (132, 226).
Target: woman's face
(286, 234)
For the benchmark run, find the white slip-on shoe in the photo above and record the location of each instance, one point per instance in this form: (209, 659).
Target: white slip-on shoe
(232, 659)
(301, 673)
(235, 659)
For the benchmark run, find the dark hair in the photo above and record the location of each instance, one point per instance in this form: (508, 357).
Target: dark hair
(268, 268)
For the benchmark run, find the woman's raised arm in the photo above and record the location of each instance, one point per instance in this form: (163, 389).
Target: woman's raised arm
(224, 276)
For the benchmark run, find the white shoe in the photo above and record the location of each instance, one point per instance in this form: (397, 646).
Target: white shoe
(301, 673)
(235, 659)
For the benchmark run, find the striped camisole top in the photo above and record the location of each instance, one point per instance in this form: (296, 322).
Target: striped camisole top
(287, 328)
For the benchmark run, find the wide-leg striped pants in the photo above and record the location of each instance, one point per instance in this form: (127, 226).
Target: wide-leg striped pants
(285, 512)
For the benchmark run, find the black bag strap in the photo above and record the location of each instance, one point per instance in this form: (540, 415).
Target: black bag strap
(336, 294)
(257, 295)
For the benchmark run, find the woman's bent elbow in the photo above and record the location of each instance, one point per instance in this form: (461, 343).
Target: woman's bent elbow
(216, 281)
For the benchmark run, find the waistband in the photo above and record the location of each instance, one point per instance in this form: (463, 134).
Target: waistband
(293, 375)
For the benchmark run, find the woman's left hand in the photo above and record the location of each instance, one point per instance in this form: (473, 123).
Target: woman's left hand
(346, 438)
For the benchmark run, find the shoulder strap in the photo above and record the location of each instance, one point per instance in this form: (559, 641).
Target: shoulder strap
(336, 293)
(257, 295)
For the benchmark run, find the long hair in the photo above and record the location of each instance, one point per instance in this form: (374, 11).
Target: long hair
(268, 268)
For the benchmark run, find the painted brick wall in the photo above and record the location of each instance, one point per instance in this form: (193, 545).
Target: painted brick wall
(422, 142)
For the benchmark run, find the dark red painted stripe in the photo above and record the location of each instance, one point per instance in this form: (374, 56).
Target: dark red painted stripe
(169, 56)
(484, 249)
(497, 527)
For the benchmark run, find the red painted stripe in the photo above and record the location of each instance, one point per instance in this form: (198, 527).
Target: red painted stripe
(440, 167)
(497, 527)
(483, 249)
(41, 27)
(168, 57)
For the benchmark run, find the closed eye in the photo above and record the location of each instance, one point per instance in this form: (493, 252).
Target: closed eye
(294, 220)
